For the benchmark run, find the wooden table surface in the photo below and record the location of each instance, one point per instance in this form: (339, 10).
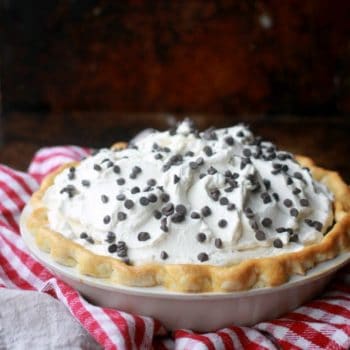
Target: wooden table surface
(326, 139)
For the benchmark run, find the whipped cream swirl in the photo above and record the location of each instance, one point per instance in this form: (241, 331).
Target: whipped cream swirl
(180, 196)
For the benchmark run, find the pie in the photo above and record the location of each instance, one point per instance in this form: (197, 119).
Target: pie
(213, 211)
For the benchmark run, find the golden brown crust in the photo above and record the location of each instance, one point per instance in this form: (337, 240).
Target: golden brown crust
(260, 272)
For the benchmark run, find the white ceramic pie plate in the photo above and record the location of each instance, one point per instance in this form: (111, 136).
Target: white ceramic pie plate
(201, 312)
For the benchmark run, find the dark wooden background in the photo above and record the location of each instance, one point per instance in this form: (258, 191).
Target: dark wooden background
(90, 72)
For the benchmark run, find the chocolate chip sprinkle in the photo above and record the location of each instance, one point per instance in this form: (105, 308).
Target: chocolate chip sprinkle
(116, 169)
(218, 243)
(112, 248)
(231, 206)
(296, 191)
(176, 179)
(265, 197)
(152, 198)
(287, 203)
(85, 183)
(181, 209)
(304, 202)
(110, 237)
(195, 215)
(143, 236)
(260, 235)
(229, 140)
(151, 182)
(222, 223)
(208, 151)
(120, 197)
(223, 201)
(157, 214)
(317, 225)
(90, 240)
(163, 225)
(294, 212)
(201, 237)
(168, 209)
(144, 201)
(249, 213)
(164, 197)
(164, 255)
(135, 190)
(266, 222)
(121, 181)
(121, 216)
(97, 167)
(206, 211)
(212, 171)
(214, 194)
(203, 257)
(128, 204)
(277, 243)
(107, 219)
(280, 229)
(104, 198)
(83, 235)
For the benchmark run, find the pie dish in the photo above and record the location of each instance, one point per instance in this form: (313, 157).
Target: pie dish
(218, 211)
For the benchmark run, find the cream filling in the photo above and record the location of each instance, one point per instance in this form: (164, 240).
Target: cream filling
(85, 210)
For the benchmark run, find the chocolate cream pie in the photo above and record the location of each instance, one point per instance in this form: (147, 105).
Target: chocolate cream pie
(219, 210)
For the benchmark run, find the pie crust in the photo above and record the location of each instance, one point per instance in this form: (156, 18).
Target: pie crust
(197, 278)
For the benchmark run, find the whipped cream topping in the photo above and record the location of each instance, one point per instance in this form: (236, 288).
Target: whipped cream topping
(180, 196)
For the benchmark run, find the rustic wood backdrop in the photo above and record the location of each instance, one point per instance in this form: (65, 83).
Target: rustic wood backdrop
(231, 57)
(90, 72)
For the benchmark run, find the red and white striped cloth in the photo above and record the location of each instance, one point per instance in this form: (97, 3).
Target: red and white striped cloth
(320, 324)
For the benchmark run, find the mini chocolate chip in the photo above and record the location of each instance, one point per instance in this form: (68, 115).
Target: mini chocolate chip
(229, 140)
(107, 219)
(120, 197)
(176, 179)
(128, 204)
(157, 214)
(276, 196)
(121, 216)
(294, 238)
(285, 168)
(212, 171)
(294, 212)
(164, 197)
(214, 194)
(193, 165)
(189, 154)
(147, 189)
(97, 167)
(110, 164)
(136, 169)
(195, 215)
(280, 229)
(277, 243)
(296, 191)
(298, 175)
(231, 206)
(266, 222)
(151, 182)
(144, 201)
(143, 236)
(168, 209)
(164, 255)
(158, 156)
(201, 237)
(85, 183)
(229, 189)
(112, 248)
(304, 202)
(260, 235)
(267, 184)
(309, 222)
(177, 218)
(222, 223)
(247, 152)
(254, 225)
(152, 198)
(208, 151)
(71, 175)
(277, 166)
(317, 225)
(83, 235)
(223, 201)
(181, 209)
(121, 181)
(163, 225)
(289, 181)
(110, 237)
(167, 149)
(249, 213)
(202, 175)
(135, 190)
(218, 243)
(288, 203)
(104, 198)
(206, 211)
(116, 169)
(265, 197)
(90, 240)
(203, 257)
